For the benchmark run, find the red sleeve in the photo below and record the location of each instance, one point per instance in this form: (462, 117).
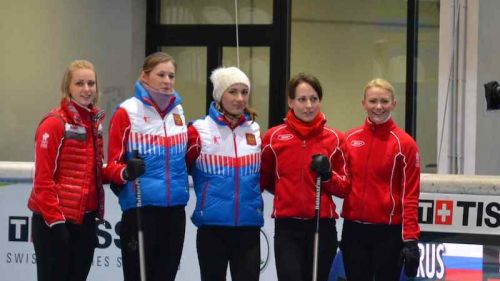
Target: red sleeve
(194, 146)
(268, 165)
(411, 191)
(48, 140)
(340, 185)
(119, 128)
(104, 176)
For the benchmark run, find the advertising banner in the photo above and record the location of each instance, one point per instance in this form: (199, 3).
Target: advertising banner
(444, 213)
(459, 213)
(18, 261)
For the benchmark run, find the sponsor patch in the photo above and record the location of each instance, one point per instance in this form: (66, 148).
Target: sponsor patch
(72, 131)
(251, 139)
(357, 143)
(45, 140)
(285, 137)
(216, 139)
(177, 120)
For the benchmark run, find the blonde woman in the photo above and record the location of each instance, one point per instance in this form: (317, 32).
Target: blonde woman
(67, 195)
(380, 230)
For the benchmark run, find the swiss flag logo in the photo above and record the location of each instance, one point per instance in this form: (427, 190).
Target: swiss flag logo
(443, 212)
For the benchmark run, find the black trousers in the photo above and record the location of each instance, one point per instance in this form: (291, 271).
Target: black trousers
(67, 260)
(294, 248)
(371, 251)
(238, 246)
(163, 231)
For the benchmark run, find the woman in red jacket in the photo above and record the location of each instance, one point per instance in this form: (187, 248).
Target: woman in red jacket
(287, 173)
(381, 211)
(67, 195)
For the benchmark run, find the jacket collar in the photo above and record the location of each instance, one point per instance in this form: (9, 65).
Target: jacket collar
(386, 126)
(304, 129)
(219, 118)
(143, 95)
(75, 113)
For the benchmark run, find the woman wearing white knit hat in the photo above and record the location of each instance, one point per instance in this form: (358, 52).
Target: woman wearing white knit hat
(224, 159)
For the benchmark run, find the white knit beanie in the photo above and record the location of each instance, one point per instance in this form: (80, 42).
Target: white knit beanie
(223, 77)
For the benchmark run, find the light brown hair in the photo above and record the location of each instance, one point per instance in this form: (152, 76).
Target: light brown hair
(156, 58)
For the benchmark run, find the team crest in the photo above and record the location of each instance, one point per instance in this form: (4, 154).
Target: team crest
(177, 120)
(251, 139)
(45, 140)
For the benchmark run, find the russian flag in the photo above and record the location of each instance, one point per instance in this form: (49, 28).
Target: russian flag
(463, 262)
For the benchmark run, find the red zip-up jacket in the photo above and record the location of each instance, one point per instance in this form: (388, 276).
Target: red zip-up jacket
(385, 168)
(68, 164)
(287, 152)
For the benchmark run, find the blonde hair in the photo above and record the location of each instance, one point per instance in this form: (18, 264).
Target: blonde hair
(379, 83)
(68, 75)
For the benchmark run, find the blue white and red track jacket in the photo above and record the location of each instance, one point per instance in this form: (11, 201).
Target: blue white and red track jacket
(225, 165)
(161, 140)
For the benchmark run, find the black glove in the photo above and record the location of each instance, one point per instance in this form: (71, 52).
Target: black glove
(410, 257)
(135, 168)
(116, 188)
(321, 166)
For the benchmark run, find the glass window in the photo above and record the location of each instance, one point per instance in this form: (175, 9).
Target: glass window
(254, 61)
(216, 12)
(427, 84)
(346, 43)
(191, 79)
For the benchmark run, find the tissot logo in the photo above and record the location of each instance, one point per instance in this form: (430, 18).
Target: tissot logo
(426, 211)
(18, 228)
(444, 212)
(435, 212)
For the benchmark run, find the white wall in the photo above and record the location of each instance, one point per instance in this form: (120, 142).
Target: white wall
(488, 123)
(40, 38)
(475, 46)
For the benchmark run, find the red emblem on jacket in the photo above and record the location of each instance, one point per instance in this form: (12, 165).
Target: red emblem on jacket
(251, 139)
(177, 120)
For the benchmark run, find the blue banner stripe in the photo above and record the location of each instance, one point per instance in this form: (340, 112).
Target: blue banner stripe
(463, 263)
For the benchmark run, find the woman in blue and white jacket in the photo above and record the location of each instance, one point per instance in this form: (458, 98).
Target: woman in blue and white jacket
(224, 159)
(151, 123)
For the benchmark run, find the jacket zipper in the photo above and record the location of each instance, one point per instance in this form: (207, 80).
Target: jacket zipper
(303, 161)
(236, 180)
(392, 196)
(302, 172)
(366, 173)
(95, 138)
(167, 153)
